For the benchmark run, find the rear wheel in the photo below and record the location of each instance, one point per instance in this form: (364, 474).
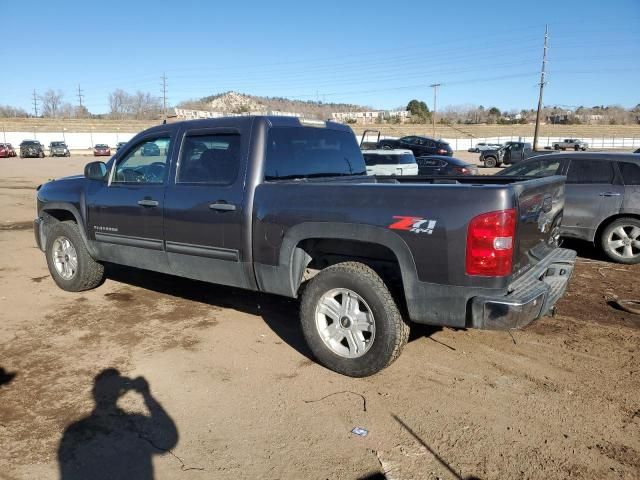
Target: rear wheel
(556, 147)
(621, 241)
(70, 264)
(350, 320)
(490, 162)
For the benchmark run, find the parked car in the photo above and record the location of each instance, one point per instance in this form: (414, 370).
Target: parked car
(277, 202)
(101, 150)
(150, 150)
(7, 150)
(390, 162)
(484, 146)
(571, 143)
(511, 153)
(420, 146)
(31, 149)
(59, 149)
(119, 145)
(443, 165)
(602, 198)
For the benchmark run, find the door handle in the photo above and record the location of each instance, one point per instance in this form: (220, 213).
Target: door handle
(222, 207)
(610, 194)
(148, 203)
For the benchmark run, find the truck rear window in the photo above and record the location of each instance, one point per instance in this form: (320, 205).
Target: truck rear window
(303, 152)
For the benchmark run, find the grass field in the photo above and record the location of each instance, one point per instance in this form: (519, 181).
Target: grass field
(442, 131)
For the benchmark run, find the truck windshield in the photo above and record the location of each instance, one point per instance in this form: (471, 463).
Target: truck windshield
(304, 152)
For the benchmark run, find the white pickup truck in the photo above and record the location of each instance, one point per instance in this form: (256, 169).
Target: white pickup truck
(571, 143)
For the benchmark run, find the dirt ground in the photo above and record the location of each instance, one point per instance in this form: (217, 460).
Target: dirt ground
(234, 393)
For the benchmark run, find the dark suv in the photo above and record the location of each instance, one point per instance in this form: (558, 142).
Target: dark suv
(31, 148)
(602, 198)
(420, 146)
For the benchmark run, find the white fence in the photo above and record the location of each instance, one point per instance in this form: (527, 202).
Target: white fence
(543, 142)
(83, 141)
(75, 141)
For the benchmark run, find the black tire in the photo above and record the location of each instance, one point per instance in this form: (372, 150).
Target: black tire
(89, 273)
(628, 224)
(391, 330)
(556, 147)
(490, 162)
(576, 148)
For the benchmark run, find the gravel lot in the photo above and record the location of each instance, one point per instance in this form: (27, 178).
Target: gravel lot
(233, 392)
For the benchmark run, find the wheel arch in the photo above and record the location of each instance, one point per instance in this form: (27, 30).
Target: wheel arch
(609, 220)
(61, 212)
(305, 240)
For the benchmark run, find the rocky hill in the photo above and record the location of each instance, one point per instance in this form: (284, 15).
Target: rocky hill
(234, 102)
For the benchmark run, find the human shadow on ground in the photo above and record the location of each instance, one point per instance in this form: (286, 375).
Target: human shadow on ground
(6, 377)
(112, 444)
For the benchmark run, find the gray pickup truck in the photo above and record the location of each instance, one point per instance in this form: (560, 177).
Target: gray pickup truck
(571, 144)
(284, 206)
(511, 153)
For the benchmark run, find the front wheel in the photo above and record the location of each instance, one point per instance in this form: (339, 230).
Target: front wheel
(490, 162)
(621, 241)
(350, 320)
(70, 264)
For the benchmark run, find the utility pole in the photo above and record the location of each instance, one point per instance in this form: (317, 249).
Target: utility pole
(35, 103)
(544, 65)
(164, 96)
(435, 106)
(80, 95)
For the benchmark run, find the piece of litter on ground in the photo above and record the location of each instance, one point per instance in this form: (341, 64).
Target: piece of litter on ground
(360, 431)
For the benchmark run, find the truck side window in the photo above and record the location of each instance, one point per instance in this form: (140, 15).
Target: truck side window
(630, 173)
(209, 159)
(146, 163)
(590, 171)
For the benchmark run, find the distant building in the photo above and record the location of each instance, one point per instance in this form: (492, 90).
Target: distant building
(186, 114)
(370, 117)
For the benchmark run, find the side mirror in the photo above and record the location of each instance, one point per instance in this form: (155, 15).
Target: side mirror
(95, 171)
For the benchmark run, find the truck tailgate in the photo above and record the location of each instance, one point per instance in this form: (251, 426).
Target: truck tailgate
(540, 203)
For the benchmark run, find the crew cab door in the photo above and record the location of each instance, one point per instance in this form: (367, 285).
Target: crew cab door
(204, 207)
(593, 193)
(125, 214)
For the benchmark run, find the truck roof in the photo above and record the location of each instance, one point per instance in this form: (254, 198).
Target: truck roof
(245, 120)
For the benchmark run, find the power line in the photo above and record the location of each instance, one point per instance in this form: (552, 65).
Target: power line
(542, 72)
(35, 103)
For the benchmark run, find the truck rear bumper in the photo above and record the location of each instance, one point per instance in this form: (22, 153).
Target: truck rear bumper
(530, 297)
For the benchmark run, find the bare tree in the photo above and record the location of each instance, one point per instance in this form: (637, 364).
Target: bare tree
(51, 102)
(118, 103)
(7, 111)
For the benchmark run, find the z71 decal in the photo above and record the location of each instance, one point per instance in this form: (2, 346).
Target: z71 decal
(413, 224)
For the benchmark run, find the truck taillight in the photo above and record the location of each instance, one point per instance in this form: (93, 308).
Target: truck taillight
(490, 243)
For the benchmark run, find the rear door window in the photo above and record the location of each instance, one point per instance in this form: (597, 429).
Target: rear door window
(630, 173)
(590, 171)
(212, 159)
(299, 152)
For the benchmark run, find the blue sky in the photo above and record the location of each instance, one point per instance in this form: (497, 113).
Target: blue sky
(373, 53)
